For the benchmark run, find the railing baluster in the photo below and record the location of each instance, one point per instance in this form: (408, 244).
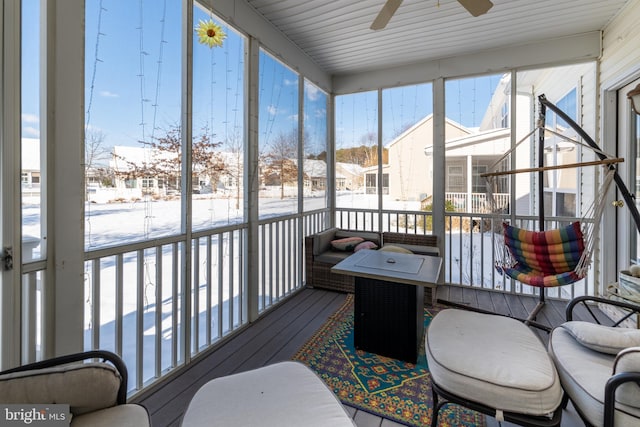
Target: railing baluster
(195, 312)
(231, 287)
(175, 304)
(139, 318)
(209, 279)
(220, 248)
(118, 307)
(158, 317)
(95, 304)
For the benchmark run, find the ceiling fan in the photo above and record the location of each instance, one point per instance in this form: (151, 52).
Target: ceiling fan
(475, 7)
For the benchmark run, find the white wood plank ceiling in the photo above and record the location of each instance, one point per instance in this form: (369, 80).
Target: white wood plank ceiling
(336, 33)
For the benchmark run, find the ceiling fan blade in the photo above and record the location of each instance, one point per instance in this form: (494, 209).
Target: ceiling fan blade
(385, 14)
(476, 7)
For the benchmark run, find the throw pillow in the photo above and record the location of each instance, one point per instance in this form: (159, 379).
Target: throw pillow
(365, 245)
(605, 339)
(346, 244)
(397, 249)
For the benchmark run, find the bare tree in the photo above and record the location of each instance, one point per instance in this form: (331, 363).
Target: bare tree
(235, 168)
(282, 161)
(96, 157)
(165, 159)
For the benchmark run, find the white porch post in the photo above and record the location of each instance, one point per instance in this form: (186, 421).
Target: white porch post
(439, 161)
(10, 295)
(252, 183)
(62, 121)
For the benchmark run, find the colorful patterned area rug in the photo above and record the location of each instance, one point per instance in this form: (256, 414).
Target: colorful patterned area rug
(386, 387)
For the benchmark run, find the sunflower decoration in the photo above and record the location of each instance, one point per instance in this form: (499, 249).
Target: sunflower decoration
(210, 33)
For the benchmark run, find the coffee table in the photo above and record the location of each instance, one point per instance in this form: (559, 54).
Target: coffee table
(389, 300)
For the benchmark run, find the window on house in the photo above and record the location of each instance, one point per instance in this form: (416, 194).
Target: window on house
(478, 183)
(372, 183)
(455, 179)
(558, 151)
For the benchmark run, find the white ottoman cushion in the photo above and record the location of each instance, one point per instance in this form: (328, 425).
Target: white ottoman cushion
(493, 360)
(280, 395)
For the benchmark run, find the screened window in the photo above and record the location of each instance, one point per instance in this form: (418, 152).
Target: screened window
(218, 144)
(356, 148)
(33, 197)
(132, 119)
(278, 137)
(314, 168)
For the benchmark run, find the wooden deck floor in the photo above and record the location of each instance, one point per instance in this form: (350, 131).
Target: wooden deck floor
(281, 332)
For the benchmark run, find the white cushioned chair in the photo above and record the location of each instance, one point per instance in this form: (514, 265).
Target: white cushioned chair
(96, 392)
(599, 366)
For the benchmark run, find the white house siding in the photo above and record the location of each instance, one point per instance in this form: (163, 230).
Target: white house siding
(621, 44)
(555, 84)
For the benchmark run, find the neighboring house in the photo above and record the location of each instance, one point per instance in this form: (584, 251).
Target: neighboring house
(30, 168)
(141, 170)
(349, 176)
(315, 174)
(410, 169)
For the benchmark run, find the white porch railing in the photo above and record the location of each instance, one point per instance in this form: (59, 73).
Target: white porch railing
(469, 246)
(475, 202)
(137, 303)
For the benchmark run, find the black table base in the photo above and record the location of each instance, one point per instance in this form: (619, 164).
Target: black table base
(388, 318)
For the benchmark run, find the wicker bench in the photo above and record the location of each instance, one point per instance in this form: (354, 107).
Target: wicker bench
(320, 258)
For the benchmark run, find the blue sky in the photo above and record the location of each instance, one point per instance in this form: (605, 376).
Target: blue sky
(466, 101)
(133, 83)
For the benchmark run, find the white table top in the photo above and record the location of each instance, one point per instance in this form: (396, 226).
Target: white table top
(412, 269)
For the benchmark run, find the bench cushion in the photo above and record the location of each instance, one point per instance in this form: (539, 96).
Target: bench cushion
(493, 360)
(280, 395)
(332, 257)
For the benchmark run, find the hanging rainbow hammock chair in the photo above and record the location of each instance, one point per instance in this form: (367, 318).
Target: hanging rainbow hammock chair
(556, 257)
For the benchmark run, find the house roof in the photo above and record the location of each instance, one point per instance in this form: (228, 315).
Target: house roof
(315, 168)
(424, 121)
(352, 169)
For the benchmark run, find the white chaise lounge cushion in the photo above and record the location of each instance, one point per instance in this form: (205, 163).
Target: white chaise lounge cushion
(584, 373)
(493, 360)
(286, 394)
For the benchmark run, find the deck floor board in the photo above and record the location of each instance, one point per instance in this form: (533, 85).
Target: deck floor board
(278, 334)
